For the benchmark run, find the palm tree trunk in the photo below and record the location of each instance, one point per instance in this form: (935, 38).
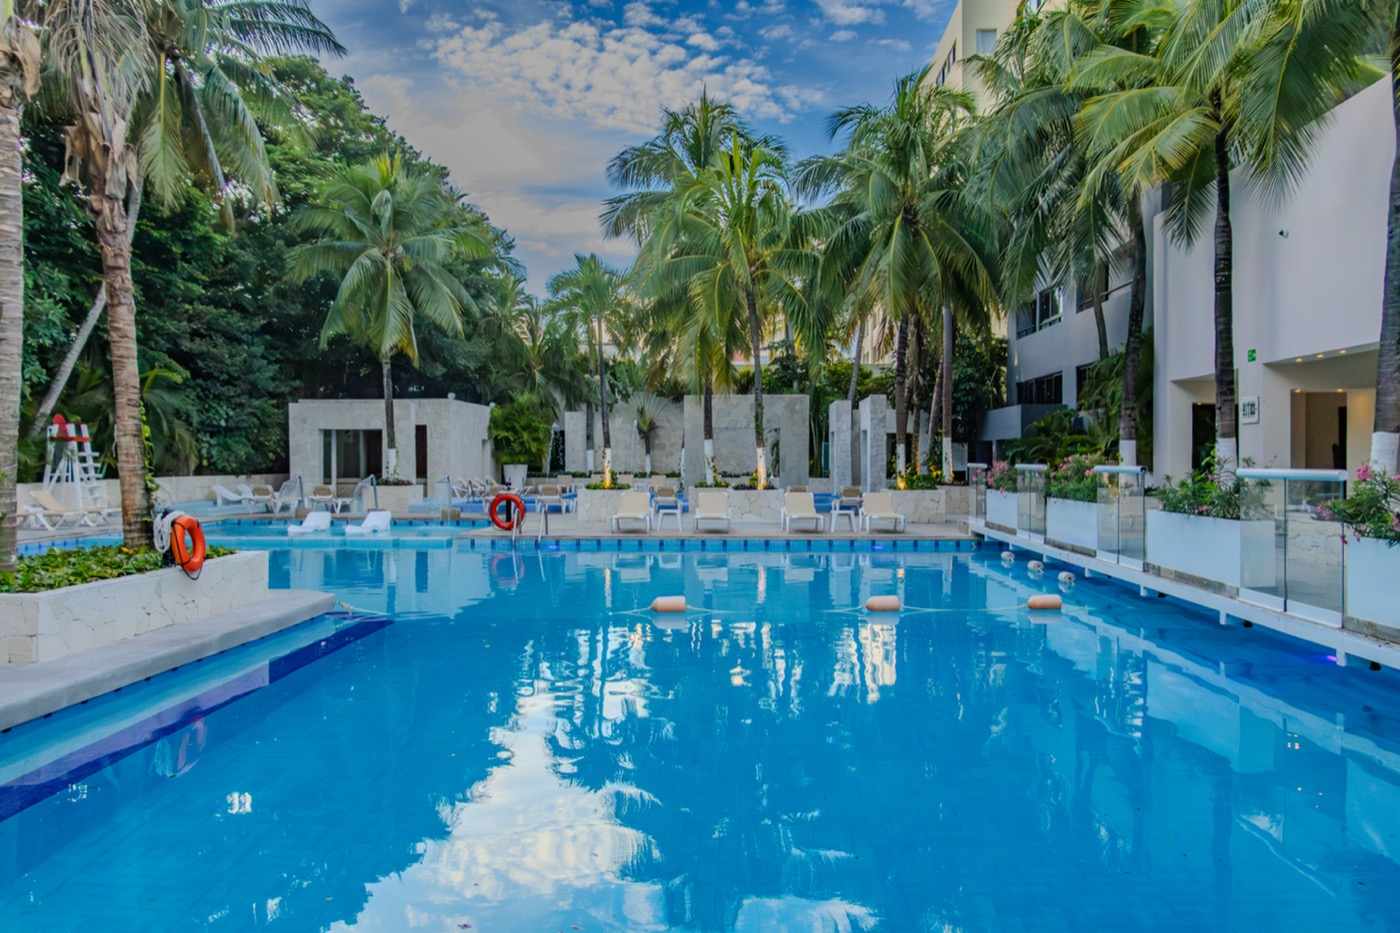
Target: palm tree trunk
(911, 387)
(110, 215)
(1385, 433)
(755, 347)
(901, 398)
(603, 408)
(1226, 442)
(949, 342)
(588, 436)
(708, 414)
(11, 295)
(1100, 323)
(851, 400)
(94, 314)
(1132, 348)
(934, 404)
(391, 444)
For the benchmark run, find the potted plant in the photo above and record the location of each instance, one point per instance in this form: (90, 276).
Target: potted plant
(1002, 502)
(1198, 534)
(1071, 510)
(1372, 514)
(520, 436)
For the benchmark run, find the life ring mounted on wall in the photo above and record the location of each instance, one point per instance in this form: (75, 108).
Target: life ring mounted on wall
(517, 513)
(188, 554)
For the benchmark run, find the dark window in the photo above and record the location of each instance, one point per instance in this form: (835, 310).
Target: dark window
(1042, 390)
(1081, 376)
(420, 451)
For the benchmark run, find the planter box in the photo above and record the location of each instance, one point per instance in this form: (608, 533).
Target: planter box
(1003, 509)
(44, 626)
(932, 506)
(1372, 567)
(598, 506)
(398, 499)
(1073, 525)
(754, 505)
(1222, 554)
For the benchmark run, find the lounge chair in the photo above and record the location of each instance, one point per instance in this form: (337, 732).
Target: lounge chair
(712, 506)
(547, 495)
(362, 496)
(879, 507)
(261, 495)
(314, 524)
(665, 502)
(799, 508)
(243, 495)
(632, 507)
(46, 512)
(323, 496)
(289, 496)
(374, 523)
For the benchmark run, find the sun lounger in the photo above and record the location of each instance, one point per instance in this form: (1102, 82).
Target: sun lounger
(665, 502)
(289, 496)
(45, 511)
(879, 507)
(315, 523)
(846, 505)
(323, 496)
(632, 507)
(712, 507)
(375, 523)
(243, 495)
(799, 508)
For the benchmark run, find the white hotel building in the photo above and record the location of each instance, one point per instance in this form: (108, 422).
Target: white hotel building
(1308, 269)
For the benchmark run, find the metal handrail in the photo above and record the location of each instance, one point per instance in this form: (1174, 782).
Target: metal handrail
(1120, 469)
(1302, 476)
(1031, 468)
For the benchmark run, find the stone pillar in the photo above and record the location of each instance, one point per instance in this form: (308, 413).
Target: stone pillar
(574, 440)
(875, 426)
(839, 436)
(794, 439)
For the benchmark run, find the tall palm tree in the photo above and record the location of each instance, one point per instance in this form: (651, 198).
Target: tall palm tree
(1223, 84)
(19, 80)
(198, 118)
(899, 218)
(730, 239)
(593, 294)
(390, 234)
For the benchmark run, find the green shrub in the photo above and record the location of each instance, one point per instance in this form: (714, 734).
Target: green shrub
(1206, 492)
(520, 430)
(1373, 508)
(1074, 479)
(57, 568)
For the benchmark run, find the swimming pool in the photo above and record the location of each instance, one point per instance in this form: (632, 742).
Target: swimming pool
(523, 747)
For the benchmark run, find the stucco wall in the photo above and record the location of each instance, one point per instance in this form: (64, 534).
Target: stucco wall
(785, 420)
(628, 453)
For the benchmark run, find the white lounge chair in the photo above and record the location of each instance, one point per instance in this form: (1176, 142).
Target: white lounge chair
(665, 502)
(314, 523)
(261, 495)
(46, 512)
(799, 508)
(711, 506)
(323, 496)
(374, 523)
(289, 496)
(846, 505)
(632, 507)
(362, 496)
(879, 507)
(243, 495)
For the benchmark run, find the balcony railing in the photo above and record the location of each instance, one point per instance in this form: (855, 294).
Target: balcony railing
(1030, 502)
(1304, 571)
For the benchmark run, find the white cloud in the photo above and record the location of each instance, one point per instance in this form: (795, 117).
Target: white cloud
(849, 12)
(611, 77)
(899, 45)
(842, 35)
(774, 33)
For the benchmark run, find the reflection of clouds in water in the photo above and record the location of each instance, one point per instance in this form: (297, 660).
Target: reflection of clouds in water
(526, 848)
(799, 915)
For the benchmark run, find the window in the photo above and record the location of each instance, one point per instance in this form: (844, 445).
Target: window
(986, 41)
(1040, 312)
(350, 455)
(1081, 377)
(1042, 390)
(946, 71)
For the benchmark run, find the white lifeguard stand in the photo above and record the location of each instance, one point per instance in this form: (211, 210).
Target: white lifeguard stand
(72, 473)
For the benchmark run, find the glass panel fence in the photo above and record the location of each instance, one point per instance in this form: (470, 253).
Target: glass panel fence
(1291, 549)
(1030, 487)
(977, 480)
(1121, 515)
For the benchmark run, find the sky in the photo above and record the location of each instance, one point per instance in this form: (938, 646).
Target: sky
(526, 100)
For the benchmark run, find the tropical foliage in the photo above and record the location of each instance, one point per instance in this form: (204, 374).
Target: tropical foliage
(1372, 510)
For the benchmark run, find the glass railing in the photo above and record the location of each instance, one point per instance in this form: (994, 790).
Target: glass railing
(977, 480)
(1030, 499)
(1291, 546)
(1122, 515)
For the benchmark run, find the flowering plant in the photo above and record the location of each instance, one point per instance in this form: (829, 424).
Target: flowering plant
(1373, 508)
(1208, 492)
(1074, 479)
(1001, 477)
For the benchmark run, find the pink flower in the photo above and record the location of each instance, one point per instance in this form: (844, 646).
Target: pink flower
(1363, 472)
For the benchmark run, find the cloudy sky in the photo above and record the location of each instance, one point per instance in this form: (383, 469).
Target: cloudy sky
(526, 100)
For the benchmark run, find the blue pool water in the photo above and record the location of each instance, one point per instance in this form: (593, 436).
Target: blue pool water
(521, 747)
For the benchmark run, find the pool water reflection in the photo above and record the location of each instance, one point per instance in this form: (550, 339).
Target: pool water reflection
(525, 748)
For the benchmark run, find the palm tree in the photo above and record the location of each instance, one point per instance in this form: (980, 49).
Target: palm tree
(19, 80)
(730, 239)
(390, 234)
(1219, 84)
(199, 116)
(593, 294)
(899, 219)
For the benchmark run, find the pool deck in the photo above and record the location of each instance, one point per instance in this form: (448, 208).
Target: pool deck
(568, 526)
(31, 691)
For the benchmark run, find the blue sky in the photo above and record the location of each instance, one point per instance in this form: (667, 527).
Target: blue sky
(526, 100)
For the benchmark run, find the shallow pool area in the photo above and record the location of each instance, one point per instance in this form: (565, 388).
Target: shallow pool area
(492, 739)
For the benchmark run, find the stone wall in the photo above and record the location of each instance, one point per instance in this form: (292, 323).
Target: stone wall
(628, 452)
(785, 420)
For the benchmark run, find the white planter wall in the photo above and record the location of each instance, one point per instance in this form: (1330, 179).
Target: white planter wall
(44, 626)
(1068, 521)
(397, 498)
(1234, 554)
(598, 506)
(1372, 569)
(1002, 508)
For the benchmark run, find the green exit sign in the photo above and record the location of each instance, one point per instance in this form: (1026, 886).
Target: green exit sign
(1253, 355)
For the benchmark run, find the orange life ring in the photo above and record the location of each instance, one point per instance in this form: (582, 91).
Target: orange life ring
(189, 557)
(516, 519)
